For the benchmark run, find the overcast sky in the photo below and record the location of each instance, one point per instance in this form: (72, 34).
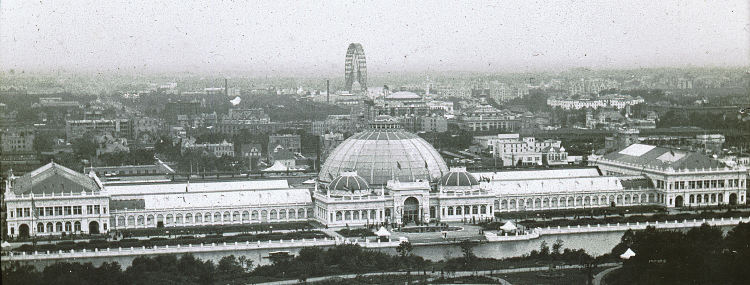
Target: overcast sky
(311, 37)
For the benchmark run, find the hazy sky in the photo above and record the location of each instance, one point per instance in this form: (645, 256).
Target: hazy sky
(311, 37)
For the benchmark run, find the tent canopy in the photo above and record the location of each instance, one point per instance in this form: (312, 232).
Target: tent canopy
(628, 254)
(508, 226)
(382, 232)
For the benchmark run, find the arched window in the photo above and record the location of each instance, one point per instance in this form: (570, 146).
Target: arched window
(50, 228)
(699, 198)
(475, 210)
(40, 228)
(207, 218)
(273, 215)
(348, 215)
(150, 220)
(121, 221)
(264, 215)
(292, 214)
(450, 211)
(692, 199)
(159, 218)
(217, 217)
(356, 215)
(141, 220)
(538, 203)
(68, 227)
(227, 217)
(131, 221)
(512, 204)
(484, 209)
(504, 204)
(459, 210)
(178, 219)
(245, 216)
(338, 215)
(235, 216)
(188, 218)
(282, 214)
(713, 198)
(77, 226)
(301, 213)
(198, 218)
(254, 215)
(59, 227)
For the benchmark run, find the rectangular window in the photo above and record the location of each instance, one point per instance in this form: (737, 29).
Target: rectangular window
(49, 211)
(19, 212)
(68, 211)
(96, 209)
(77, 210)
(40, 212)
(713, 183)
(104, 210)
(691, 185)
(721, 183)
(26, 212)
(58, 211)
(89, 209)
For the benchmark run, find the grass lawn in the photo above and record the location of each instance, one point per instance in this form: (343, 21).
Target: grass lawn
(556, 277)
(379, 279)
(466, 280)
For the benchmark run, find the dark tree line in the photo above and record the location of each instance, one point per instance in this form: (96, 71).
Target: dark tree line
(700, 256)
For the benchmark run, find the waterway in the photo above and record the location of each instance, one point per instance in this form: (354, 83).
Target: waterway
(595, 243)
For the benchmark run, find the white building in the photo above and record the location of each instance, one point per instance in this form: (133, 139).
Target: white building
(513, 150)
(53, 200)
(686, 178)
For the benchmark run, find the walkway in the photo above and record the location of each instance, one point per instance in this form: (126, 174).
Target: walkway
(599, 277)
(436, 275)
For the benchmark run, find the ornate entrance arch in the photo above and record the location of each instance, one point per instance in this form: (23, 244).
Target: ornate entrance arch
(678, 201)
(411, 210)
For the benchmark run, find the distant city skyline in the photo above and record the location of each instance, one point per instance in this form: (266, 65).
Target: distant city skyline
(311, 39)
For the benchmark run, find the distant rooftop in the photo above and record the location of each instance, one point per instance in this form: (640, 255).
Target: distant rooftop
(661, 157)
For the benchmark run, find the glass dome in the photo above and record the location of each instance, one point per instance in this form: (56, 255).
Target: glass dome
(383, 154)
(458, 177)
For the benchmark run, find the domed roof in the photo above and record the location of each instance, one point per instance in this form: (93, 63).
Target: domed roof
(348, 182)
(458, 177)
(379, 155)
(403, 95)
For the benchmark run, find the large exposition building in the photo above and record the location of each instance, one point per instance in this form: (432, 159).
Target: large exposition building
(380, 175)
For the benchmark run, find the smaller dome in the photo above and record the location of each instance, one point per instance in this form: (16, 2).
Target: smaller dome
(349, 182)
(458, 177)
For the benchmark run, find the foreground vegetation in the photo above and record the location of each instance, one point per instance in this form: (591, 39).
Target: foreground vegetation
(700, 256)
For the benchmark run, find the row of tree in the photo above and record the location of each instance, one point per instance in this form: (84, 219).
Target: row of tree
(699, 256)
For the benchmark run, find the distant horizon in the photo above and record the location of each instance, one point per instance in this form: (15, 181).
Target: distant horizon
(248, 74)
(281, 38)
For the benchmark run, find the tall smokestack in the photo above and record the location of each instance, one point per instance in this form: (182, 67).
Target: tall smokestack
(226, 88)
(328, 90)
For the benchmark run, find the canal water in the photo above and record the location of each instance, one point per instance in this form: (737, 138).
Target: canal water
(595, 244)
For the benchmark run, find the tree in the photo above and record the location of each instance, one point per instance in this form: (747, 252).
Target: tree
(557, 246)
(17, 273)
(467, 248)
(84, 147)
(404, 249)
(544, 249)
